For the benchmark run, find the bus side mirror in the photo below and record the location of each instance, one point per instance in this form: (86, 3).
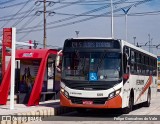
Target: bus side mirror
(125, 76)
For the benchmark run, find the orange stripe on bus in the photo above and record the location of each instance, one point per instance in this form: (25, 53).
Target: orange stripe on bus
(149, 82)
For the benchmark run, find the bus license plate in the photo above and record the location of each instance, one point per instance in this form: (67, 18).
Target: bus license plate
(88, 102)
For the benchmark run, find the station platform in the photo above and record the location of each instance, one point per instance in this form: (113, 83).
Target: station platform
(20, 112)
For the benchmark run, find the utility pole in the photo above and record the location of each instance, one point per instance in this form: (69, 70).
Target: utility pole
(45, 37)
(50, 3)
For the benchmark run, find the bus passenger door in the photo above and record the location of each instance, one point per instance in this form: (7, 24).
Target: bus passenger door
(126, 79)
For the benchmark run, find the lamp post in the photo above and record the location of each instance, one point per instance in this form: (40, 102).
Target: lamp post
(112, 35)
(126, 12)
(77, 33)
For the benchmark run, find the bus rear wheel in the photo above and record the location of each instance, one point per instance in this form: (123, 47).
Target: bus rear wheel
(148, 102)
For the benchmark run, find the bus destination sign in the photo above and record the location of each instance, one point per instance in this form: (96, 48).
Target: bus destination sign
(92, 44)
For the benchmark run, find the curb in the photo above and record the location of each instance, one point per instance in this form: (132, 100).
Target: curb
(35, 115)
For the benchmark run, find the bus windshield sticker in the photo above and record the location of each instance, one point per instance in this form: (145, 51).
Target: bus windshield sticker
(92, 60)
(93, 76)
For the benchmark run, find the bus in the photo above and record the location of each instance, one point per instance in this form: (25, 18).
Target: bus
(158, 80)
(106, 73)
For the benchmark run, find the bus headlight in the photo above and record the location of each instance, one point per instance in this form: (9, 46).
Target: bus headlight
(115, 93)
(65, 93)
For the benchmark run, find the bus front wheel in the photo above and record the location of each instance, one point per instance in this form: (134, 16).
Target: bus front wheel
(130, 105)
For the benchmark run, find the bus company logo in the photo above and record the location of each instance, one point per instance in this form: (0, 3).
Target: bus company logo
(74, 93)
(27, 55)
(140, 82)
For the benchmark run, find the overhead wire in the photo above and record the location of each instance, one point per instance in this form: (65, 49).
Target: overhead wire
(13, 5)
(95, 2)
(54, 9)
(3, 18)
(69, 18)
(31, 9)
(16, 13)
(20, 13)
(15, 18)
(115, 15)
(5, 2)
(78, 21)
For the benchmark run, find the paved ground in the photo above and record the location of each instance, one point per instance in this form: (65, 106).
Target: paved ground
(21, 111)
(152, 114)
(51, 110)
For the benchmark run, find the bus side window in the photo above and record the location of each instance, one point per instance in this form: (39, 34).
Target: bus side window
(132, 62)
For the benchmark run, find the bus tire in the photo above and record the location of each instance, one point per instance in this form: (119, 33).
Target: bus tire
(148, 102)
(128, 109)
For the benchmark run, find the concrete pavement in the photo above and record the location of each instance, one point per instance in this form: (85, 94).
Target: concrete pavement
(52, 107)
(20, 112)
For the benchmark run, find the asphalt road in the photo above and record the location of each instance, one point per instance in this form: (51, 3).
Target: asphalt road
(139, 115)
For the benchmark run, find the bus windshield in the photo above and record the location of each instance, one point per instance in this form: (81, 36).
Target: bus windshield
(105, 66)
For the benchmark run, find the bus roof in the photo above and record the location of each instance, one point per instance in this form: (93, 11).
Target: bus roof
(138, 48)
(93, 38)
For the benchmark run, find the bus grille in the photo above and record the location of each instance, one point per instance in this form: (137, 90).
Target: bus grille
(88, 86)
(77, 100)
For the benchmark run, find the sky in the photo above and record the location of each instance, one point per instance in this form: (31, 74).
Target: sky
(91, 18)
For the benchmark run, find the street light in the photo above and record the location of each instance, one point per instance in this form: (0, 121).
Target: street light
(77, 33)
(126, 12)
(112, 19)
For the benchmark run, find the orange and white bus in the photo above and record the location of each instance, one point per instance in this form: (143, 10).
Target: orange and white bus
(106, 73)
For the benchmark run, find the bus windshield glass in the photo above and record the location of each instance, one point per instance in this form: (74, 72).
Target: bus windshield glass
(92, 66)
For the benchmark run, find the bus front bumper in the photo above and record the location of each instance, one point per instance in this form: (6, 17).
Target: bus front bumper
(115, 102)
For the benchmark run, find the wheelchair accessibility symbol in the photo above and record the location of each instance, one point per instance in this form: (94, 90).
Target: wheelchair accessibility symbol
(92, 76)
